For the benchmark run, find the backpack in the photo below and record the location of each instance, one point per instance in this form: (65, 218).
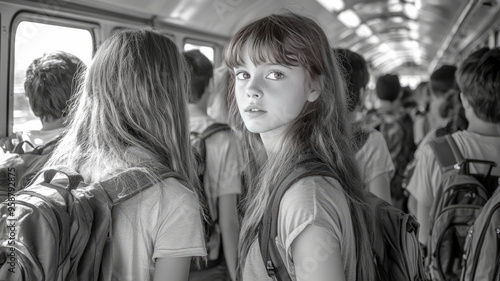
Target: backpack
(60, 229)
(397, 129)
(396, 252)
(482, 246)
(459, 201)
(20, 167)
(199, 149)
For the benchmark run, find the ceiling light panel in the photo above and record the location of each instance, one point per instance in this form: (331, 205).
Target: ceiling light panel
(364, 31)
(332, 5)
(349, 18)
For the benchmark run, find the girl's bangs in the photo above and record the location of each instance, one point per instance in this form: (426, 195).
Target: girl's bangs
(262, 47)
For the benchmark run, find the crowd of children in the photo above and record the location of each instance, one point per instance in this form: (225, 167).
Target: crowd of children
(288, 97)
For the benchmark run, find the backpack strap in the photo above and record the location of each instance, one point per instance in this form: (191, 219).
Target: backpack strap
(48, 147)
(38, 150)
(19, 147)
(74, 178)
(130, 180)
(447, 152)
(268, 230)
(209, 131)
(212, 129)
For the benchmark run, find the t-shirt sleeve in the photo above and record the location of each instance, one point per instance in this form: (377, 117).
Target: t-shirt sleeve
(375, 158)
(309, 202)
(179, 230)
(426, 177)
(224, 160)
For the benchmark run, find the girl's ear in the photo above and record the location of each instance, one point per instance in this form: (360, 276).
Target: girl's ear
(314, 91)
(313, 95)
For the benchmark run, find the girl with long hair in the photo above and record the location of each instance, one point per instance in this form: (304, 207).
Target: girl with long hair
(287, 100)
(131, 114)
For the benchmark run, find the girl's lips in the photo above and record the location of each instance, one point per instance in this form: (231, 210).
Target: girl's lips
(254, 108)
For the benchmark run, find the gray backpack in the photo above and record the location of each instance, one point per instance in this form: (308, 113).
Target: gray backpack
(459, 201)
(61, 229)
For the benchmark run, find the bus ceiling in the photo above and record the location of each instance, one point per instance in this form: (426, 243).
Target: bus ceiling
(408, 37)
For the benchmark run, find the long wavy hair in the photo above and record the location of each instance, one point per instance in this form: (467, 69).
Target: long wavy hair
(132, 102)
(321, 128)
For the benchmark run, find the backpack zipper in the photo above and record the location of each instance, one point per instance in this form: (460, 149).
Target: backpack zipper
(481, 240)
(467, 250)
(438, 264)
(496, 275)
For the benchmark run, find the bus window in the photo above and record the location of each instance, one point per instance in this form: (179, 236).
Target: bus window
(206, 50)
(32, 40)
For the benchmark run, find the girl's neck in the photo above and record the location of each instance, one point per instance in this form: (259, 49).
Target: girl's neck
(272, 140)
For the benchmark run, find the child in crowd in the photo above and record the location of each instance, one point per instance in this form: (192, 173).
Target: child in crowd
(51, 81)
(131, 113)
(287, 99)
(373, 155)
(443, 91)
(478, 78)
(396, 125)
(221, 180)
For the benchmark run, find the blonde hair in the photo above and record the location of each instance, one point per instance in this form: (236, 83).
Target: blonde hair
(132, 102)
(321, 129)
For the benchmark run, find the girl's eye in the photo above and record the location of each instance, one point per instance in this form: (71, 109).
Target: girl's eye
(275, 75)
(242, 75)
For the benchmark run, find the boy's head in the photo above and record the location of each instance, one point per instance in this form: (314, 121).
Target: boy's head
(443, 80)
(355, 73)
(421, 94)
(51, 80)
(201, 70)
(388, 87)
(478, 78)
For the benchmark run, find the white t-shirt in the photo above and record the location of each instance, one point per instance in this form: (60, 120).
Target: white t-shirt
(163, 221)
(316, 201)
(424, 184)
(374, 157)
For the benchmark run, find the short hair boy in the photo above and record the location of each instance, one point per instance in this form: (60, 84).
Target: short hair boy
(51, 81)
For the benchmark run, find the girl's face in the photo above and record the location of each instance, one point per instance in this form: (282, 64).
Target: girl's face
(270, 96)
